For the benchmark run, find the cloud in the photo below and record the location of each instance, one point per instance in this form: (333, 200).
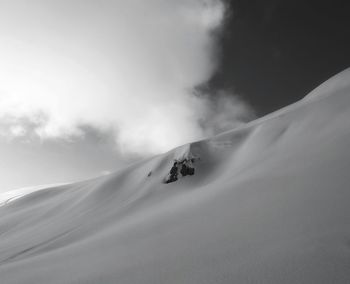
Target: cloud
(222, 111)
(127, 68)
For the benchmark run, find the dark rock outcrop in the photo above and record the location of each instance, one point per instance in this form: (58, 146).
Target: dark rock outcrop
(183, 167)
(173, 173)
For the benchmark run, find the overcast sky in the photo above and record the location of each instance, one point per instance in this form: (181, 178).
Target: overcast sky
(87, 86)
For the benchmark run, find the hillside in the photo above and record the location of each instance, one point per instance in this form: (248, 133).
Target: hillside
(266, 203)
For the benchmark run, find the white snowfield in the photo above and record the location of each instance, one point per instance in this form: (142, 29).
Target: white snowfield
(268, 203)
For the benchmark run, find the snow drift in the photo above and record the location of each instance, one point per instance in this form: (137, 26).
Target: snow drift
(267, 203)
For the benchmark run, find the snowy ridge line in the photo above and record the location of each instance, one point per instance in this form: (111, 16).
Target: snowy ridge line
(12, 195)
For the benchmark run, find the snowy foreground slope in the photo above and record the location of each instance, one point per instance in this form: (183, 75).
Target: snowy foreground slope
(268, 203)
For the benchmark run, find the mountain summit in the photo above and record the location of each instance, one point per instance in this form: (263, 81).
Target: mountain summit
(267, 202)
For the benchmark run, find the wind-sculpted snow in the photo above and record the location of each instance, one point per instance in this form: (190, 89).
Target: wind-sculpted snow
(268, 203)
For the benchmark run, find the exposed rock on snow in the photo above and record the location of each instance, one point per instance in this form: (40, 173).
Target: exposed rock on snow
(180, 168)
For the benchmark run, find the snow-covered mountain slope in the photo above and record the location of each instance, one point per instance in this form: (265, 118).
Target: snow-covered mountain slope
(268, 203)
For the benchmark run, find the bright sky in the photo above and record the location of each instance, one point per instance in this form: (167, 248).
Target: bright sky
(86, 85)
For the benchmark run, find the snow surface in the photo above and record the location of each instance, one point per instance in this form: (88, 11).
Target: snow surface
(269, 203)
